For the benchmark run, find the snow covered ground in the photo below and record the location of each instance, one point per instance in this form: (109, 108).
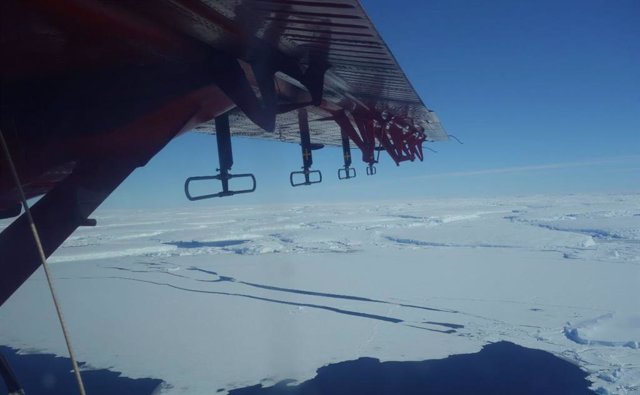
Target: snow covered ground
(229, 297)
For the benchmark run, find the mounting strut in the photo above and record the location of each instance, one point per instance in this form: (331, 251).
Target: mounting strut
(371, 169)
(307, 147)
(225, 158)
(347, 171)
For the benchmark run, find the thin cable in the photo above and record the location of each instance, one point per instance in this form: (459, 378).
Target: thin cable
(457, 139)
(430, 149)
(43, 260)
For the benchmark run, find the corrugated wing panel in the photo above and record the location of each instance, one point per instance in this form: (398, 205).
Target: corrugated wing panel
(363, 68)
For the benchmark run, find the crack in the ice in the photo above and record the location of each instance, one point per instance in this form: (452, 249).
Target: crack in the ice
(202, 244)
(310, 305)
(322, 294)
(445, 324)
(599, 234)
(446, 332)
(147, 271)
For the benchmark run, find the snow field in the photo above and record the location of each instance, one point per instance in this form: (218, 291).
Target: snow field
(238, 296)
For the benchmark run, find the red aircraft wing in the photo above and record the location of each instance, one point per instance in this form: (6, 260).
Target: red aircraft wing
(92, 89)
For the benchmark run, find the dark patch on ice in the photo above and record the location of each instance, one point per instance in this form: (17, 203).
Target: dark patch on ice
(598, 234)
(446, 332)
(282, 238)
(340, 246)
(151, 263)
(415, 242)
(537, 206)
(202, 244)
(219, 279)
(595, 233)
(49, 374)
(535, 309)
(197, 269)
(421, 243)
(406, 216)
(124, 269)
(499, 368)
(445, 324)
(80, 245)
(225, 278)
(155, 270)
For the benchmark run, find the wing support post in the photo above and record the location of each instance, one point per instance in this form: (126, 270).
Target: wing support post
(9, 377)
(307, 158)
(225, 159)
(56, 215)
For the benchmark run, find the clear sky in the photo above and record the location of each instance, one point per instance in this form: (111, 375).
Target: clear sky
(544, 94)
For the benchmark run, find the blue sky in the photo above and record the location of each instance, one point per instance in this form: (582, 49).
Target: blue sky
(544, 94)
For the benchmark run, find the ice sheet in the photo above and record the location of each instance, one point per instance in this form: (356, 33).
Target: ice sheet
(239, 296)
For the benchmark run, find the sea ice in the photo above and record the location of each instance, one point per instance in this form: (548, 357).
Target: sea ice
(247, 295)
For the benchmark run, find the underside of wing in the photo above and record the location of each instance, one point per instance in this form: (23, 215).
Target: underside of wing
(86, 80)
(362, 76)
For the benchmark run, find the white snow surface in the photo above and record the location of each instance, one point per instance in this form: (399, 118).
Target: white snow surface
(225, 297)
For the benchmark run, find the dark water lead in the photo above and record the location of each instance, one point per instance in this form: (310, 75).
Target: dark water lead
(48, 374)
(501, 368)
